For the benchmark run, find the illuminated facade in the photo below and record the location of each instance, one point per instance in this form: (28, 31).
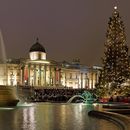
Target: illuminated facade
(39, 72)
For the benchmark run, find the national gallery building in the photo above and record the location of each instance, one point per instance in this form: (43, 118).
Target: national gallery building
(37, 71)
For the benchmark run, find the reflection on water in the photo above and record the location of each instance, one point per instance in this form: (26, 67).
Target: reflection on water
(48, 116)
(28, 119)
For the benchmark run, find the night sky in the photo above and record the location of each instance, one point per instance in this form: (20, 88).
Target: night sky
(67, 29)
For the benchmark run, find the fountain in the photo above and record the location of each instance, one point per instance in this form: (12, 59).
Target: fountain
(87, 98)
(8, 95)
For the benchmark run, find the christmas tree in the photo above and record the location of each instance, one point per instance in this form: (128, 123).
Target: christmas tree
(116, 60)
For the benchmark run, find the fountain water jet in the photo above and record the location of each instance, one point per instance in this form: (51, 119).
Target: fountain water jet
(8, 95)
(86, 97)
(3, 70)
(2, 46)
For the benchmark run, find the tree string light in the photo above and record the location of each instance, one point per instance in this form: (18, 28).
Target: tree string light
(116, 60)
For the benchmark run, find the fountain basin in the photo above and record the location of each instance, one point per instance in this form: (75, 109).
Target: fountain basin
(122, 121)
(8, 96)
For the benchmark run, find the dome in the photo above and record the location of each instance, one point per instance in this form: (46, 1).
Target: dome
(37, 52)
(37, 47)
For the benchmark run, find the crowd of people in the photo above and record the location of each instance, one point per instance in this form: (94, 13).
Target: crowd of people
(54, 94)
(63, 95)
(125, 99)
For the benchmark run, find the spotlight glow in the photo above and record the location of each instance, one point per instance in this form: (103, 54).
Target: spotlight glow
(115, 7)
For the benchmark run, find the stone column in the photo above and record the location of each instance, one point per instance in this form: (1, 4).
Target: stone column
(59, 74)
(81, 80)
(88, 83)
(34, 75)
(92, 80)
(22, 75)
(28, 74)
(45, 75)
(50, 75)
(55, 81)
(96, 80)
(65, 80)
(40, 74)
